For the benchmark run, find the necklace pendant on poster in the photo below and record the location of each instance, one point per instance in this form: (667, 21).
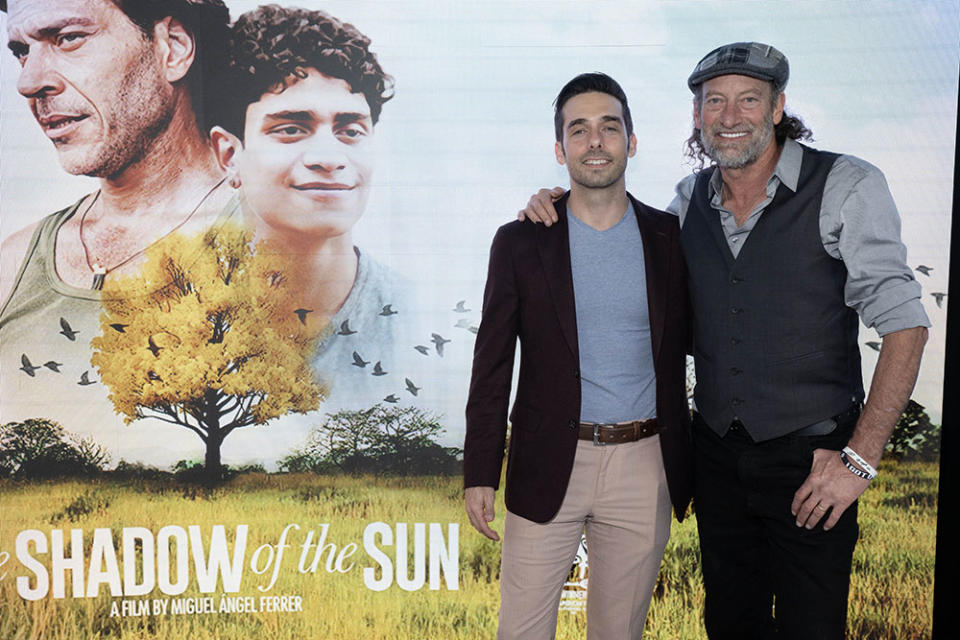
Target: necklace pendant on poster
(99, 275)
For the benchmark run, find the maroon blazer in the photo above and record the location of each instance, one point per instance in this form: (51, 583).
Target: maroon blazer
(529, 295)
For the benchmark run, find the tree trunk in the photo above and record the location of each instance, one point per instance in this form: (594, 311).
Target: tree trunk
(212, 466)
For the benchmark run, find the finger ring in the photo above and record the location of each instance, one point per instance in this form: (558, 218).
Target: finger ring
(820, 506)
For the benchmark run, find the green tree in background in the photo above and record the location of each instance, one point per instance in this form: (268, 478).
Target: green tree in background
(914, 437)
(41, 448)
(379, 440)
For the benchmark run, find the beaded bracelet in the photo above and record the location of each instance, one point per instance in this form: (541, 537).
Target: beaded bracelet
(854, 470)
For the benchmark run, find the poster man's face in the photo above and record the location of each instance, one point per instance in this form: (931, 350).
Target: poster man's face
(94, 82)
(595, 145)
(736, 119)
(307, 156)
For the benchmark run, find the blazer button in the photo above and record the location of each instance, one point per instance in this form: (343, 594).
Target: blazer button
(573, 424)
(576, 374)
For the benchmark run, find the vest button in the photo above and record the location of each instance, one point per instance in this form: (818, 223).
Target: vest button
(735, 341)
(736, 280)
(736, 402)
(735, 371)
(735, 310)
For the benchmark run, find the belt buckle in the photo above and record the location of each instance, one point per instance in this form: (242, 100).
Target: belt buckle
(596, 435)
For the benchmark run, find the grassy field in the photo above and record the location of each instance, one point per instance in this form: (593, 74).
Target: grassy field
(892, 587)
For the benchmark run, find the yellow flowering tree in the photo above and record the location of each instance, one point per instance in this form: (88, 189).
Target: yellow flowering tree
(207, 337)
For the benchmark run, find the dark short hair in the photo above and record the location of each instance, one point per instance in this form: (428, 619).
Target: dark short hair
(272, 43)
(584, 83)
(208, 21)
(790, 126)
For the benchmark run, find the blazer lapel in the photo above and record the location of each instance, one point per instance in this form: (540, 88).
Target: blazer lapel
(553, 243)
(657, 258)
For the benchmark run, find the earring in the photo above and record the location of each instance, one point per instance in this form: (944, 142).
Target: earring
(234, 181)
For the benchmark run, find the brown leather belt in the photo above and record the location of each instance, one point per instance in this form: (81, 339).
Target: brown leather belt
(617, 433)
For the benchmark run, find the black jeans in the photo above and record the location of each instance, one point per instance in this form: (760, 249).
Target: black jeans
(754, 556)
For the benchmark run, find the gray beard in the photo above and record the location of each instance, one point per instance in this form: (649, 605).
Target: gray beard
(746, 157)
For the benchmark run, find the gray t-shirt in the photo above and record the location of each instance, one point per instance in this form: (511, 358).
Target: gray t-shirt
(359, 358)
(617, 378)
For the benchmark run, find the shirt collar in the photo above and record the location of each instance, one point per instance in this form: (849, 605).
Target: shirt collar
(787, 171)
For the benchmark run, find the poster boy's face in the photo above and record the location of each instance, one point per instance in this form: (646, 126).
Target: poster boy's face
(307, 156)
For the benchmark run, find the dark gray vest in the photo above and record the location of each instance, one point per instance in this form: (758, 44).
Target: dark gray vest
(774, 343)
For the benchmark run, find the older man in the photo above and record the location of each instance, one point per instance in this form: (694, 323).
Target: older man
(786, 245)
(115, 86)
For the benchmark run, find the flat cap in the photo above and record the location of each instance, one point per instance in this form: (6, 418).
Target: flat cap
(753, 59)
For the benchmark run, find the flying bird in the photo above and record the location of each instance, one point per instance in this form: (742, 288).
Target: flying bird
(462, 323)
(53, 366)
(153, 376)
(422, 349)
(391, 398)
(119, 327)
(85, 379)
(924, 269)
(358, 361)
(473, 329)
(938, 296)
(412, 388)
(378, 370)
(345, 329)
(152, 346)
(387, 310)
(438, 342)
(873, 344)
(67, 330)
(27, 367)
(460, 307)
(302, 314)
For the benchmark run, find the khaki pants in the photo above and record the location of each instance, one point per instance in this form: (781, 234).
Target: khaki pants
(618, 493)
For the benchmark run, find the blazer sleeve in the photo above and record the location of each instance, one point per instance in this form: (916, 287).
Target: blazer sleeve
(493, 355)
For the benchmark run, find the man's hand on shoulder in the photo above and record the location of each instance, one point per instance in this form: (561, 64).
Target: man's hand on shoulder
(540, 206)
(479, 503)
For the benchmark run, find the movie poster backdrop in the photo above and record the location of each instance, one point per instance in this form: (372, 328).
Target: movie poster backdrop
(338, 506)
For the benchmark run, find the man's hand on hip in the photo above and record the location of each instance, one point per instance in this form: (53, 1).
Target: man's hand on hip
(830, 487)
(479, 503)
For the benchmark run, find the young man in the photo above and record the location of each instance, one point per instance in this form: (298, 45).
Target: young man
(116, 88)
(296, 141)
(600, 426)
(783, 448)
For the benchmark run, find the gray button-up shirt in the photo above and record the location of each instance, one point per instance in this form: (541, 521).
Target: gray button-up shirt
(859, 224)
